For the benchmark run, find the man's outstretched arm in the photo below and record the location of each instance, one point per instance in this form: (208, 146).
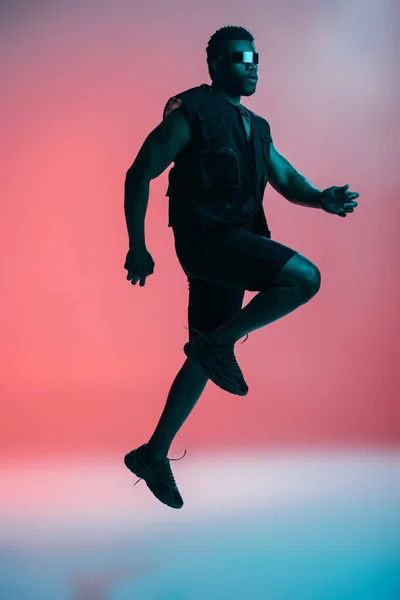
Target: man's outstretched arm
(291, 184)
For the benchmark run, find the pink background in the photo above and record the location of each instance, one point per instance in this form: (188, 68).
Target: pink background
(302, 474)
(87, 359)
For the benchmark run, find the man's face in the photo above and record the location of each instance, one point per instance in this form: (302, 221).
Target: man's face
(233, 77)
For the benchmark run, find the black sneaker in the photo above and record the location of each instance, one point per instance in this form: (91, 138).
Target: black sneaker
(218, 362)
(158, 476)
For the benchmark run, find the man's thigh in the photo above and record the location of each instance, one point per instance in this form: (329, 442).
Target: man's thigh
(238, 259)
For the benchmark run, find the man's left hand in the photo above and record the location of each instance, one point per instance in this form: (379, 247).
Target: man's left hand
(338, 200)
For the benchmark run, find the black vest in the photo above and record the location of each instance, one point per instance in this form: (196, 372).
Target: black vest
(218, 179)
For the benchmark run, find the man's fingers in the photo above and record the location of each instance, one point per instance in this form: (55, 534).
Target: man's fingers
(133, 277)
(136, 278)
(136, 275)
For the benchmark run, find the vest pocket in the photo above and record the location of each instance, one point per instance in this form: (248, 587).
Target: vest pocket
(266, 147)
(219, 169)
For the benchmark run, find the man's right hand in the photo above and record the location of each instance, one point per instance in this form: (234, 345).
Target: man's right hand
(139, 264)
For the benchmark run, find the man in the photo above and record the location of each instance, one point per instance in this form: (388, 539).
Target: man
(224, 155)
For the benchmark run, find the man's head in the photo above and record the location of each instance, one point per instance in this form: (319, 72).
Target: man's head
(232, 77)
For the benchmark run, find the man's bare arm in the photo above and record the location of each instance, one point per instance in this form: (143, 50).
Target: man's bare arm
(291, 184)
(158, 151)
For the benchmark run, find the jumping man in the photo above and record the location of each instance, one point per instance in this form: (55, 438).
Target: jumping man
(224, 156)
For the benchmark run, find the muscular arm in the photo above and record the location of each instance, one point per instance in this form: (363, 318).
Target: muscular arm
(291, 184)
(159, 149)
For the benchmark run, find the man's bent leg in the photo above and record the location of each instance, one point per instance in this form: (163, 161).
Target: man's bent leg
(185, 391)
(297, 283)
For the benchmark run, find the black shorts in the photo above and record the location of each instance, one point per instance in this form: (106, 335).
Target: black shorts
(220, 267)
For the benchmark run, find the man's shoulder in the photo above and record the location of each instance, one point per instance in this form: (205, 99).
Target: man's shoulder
(184, 97)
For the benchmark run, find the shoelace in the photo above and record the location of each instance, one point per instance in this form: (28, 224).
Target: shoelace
(204, 336)
(168, 473)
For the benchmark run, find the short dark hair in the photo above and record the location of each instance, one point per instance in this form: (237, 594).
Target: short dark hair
(218, 42)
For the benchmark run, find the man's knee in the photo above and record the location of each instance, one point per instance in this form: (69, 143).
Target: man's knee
(301, 272)
(312, 282)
